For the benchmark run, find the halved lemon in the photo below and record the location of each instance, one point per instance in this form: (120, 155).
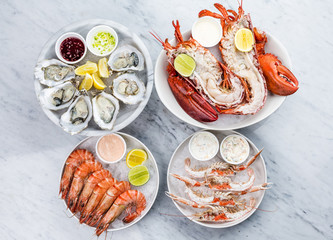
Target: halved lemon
(98, 83)
(184, 65)
(138, 175)
(87, 82)
(89, 67)
(136, 157)
(244, 40)
(103, 70)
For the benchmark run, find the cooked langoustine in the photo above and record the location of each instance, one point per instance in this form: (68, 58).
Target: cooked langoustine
(244, 64)
(96, 197)
(221, 198)
(125, 200)
(218, 168)
(220, 183)
(75, 159)
(89, 186)
(109, 197)
(80, 176)
(216, 213)
(212, 80)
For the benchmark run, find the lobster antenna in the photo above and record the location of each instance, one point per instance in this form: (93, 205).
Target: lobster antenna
(156, 36)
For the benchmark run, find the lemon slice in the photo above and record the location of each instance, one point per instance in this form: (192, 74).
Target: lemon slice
(136, 157)
(89, 67)
(184, 65)
(98, 83)
(138, 175)
(103, 70)
(244, 40)
(87, 82)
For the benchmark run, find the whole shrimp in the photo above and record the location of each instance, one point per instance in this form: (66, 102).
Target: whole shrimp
(80, 176)
(127, 199)
(96, 197)
(89, 186)
(218, 168)
(109, 197)
(75, 159)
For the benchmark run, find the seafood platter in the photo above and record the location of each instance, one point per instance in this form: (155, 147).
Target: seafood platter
(93, 76)
(109, 182)
(224, 73)
(217, 178)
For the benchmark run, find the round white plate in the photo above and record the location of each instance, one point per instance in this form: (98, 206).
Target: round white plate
(177, 187)
(120, 170)
(127, 113)
(225, 121)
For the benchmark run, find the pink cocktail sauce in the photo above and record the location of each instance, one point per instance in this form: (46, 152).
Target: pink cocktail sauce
(111, 147)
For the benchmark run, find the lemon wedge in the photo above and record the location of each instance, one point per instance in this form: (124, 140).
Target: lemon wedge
(136, 157)
(244, 40)
(138, 175)
(98, 83)
(184, 65)
(89, 67)
(103, 70)
(87, 82)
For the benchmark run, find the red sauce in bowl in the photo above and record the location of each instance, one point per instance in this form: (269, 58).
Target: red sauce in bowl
(72, 49)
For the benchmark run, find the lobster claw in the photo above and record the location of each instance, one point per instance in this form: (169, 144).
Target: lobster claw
(280, 80)
(189, 99)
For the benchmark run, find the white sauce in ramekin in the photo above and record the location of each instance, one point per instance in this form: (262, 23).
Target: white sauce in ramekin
(203, 146)
(235, 149)
(207, 31)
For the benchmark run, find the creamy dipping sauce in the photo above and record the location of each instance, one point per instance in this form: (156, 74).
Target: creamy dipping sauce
(207, 31)
(111, 147)
(203, 146)
(235, 149)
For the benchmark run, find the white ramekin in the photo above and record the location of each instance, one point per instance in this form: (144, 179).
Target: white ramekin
(247, 146)
(194, 135)
(212, 20)
(62, 38)
(122, 156)
(93, 31)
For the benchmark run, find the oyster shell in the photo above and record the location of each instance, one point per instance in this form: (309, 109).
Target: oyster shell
(105, 110)
(128, 88)
(58, 97)
(126, 58)
(53, 72)
(78, 115)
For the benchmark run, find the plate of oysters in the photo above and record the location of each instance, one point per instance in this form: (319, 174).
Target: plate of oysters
(93, 76)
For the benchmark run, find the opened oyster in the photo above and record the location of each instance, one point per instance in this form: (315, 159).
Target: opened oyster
(128, 88)
(76, 118)
(53, 72)
(58, 97)
(126, 58)
(105, 110)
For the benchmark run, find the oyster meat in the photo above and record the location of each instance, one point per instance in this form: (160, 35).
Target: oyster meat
(53, 72)
(105, 110)
(128, 88)
(58, 97)
(76, 118)
(126, 58)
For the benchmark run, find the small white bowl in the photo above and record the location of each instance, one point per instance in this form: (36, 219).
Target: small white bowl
(61, 39)
(215, 151)
(93, 31)
(122, 156)
(201, 35)
(247, 149)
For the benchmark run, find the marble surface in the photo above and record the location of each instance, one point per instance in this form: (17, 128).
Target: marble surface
(297, 138)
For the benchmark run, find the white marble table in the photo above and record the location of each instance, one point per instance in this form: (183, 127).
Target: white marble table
(297, 138)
